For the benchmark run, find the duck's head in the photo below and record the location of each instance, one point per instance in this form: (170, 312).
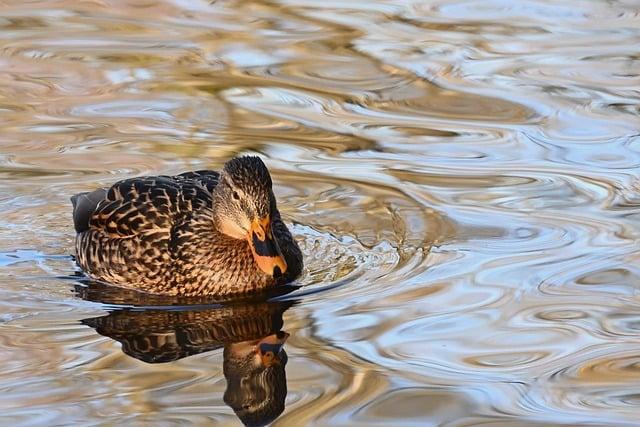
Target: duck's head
(256, 378)
(244, 207)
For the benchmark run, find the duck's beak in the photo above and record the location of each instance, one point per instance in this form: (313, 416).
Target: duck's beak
(265, 248)
(269, 348)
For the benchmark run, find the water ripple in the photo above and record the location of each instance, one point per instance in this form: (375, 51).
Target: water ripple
(461, 176)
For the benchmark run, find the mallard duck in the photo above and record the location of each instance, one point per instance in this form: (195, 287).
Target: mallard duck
(254, 359)
(194, 234)
(161, 335)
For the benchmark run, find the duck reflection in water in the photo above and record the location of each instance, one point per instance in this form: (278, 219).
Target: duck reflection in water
(253, 357)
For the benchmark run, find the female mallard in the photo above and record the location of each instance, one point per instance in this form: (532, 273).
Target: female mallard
(197, 233)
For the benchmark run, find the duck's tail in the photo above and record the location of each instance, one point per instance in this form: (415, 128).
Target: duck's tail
(84, 204)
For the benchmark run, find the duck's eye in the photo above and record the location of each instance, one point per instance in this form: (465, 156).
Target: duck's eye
(236, 196)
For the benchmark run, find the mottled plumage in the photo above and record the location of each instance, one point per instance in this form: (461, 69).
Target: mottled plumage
(253, 357)
(198, 233)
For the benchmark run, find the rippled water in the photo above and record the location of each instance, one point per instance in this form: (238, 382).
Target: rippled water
(462, 177)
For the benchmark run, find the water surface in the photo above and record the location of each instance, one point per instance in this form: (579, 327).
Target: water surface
(462, 177)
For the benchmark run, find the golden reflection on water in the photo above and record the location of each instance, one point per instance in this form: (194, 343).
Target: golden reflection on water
(462, 177)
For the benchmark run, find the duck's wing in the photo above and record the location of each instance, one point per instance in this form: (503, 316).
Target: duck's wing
(207, 178)
(142, 205)
(156, 336)
(84, 204)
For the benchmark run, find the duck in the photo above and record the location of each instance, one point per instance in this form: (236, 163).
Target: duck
(249, 334)
(201, 233)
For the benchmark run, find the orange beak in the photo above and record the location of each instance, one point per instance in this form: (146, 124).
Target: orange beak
(265, 248)
(269, 348)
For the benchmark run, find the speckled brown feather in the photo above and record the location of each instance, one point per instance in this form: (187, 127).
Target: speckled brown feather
(157, 235)
(256, 393)
(157, 336)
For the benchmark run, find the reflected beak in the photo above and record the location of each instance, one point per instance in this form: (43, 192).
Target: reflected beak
(265, 248)
(269, 348)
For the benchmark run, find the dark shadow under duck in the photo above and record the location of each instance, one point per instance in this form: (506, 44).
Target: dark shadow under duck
(253, 357)
(198, 233)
